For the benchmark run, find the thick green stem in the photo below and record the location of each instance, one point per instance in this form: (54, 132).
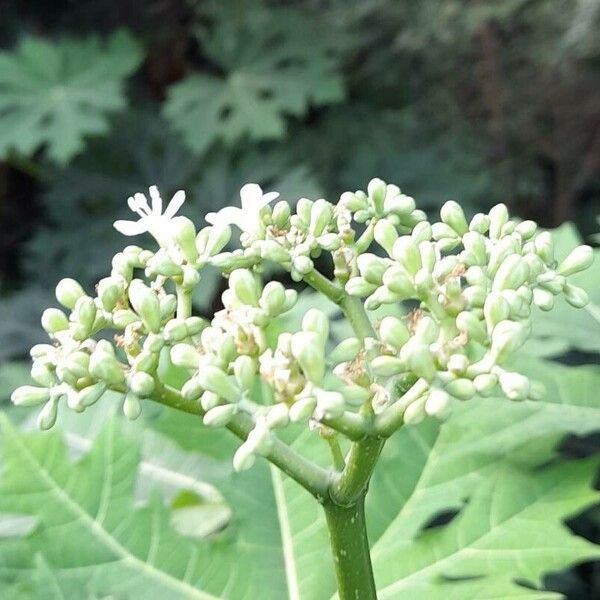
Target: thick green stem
(350, 549)
(309, 475)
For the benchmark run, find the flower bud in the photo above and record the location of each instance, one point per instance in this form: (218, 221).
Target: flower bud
(146, 305)
(54, 320)
(543, 299)
(345, 351)
(474, 244)
(526, 229)
(132, 407)
(195, 325)
(461, 388)
(272, 298)
(123, 318)
(514, 385)
(453, 215)
(281, 214)
(419, 360)
(218, 238)
(575, 295)
(29, 395)
(441, 231)
(498, 218)
(191, 389)
(191, 277)
(213, 379)
(372, 267)
(397, 280)
(106, 367)
(475, 296)
(175, 330)
(302, 409)
(219, 416)
(579, 259)
(307, 349)
(78, 364)
(495, 309)
(393, 331)
(260, 439)
(244, 369)
(427, 330)
(121, 267)
(90, 395)
(146, 361)
(110, 291)
(245, 286)
(141, 384)
(314, 320)
(507, 337)
(271, 250)
(185, 355)
(302, 264)
(330, 405)
(438, 404)
(243, 459)
(68, 291)
(385, 235)
(485, 384)
(406, 252)
(358, 286)
(469, 324)
(84, 312)
(321, 214)
(47, 416)
(458, 364)
(415, 411)
(401, 205)
(512, 273)
(479, 223)
(428, 255)
(422, 232)
(544, 247)
(208, 399)
(377, 193)
(386, 366)
(183, 233)
(423, 283)
(42, 373)
(278, 416)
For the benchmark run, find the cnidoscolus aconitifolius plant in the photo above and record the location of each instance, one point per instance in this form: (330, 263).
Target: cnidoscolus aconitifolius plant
(471, 285)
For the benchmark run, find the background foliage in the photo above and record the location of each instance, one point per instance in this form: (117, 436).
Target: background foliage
(476, 101)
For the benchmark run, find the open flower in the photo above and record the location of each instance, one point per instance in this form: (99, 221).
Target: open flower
(247, 218)
(152, 220)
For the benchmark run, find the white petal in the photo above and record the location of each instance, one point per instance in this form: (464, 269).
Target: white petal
(132, 204)
(269, 197)
(156, 200)
(251, 195)
(230, 215)
(176, 201)
(130, 227)
(142, 202)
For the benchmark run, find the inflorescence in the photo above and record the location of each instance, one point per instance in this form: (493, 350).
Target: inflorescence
(472, 286)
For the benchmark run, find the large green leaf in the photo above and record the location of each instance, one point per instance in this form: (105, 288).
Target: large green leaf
(276, 62)
(56, 93)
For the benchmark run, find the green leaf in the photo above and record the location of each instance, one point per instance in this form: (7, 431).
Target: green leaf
(269, 72)
(56, 93)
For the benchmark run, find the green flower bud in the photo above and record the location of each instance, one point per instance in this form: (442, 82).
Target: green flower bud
(578, 260)
(393, 331)
(381, 296)
(469, 324)
(427, 330)
(386, 366)
(461, 388)
(162, 264)
(303, 208)
(441, 231)
(330, 405)
(302, 264)
(475, 296)
(218, 238)
(485, 384)
(401, 205)
(358, 286)
(480, 223)
(219, 416)
(90, 395)
(260, 440)
(245, 286)
(419, 360)
(244, 369)
(377, 193)
(415, 411)
(355, 395)
(278, 416)
(511, 274)
(146, 361)
(185, 355)
(321, 214)
(195, 325)
(552, 282)
(175, 330)
(121, 267)
(68, 291)
(132, 407)
(507, 337)
(302, 409)
(47, 416)
(209, 400)
(476, 276)
(213, 379)
(385, 235)
(453, 215)
(526, 229)
(141, 384)
(78, 364)
(110, 292)
(307, 349)
(244, 458)
(183, 232)
(54, 320)
(397, 280)
(428, 255)
(575, 295)
(272, 299)
(291, 297)
(106, 367)
(192, 390)
(474, 244)
(495, 309)
(123, 318)
(458, 364)
(42, 373)
(422, 232)
(41, 351)
(438, 404)
(406, 252)
(544, 247)
(29, 395)
(146, 305)
(314, 320)
(329, 241)
(423, 283)
(498, 218)
(371, 267)
(345, 351)
(514, 385)
(271, 250)
(191, 277)
(543, 299)
(281, 214)
(85, 312)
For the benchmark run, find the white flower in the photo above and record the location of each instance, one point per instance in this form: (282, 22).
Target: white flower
(152, 220)
(247, 218)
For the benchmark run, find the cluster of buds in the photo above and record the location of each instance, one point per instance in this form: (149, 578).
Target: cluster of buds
(472, 286)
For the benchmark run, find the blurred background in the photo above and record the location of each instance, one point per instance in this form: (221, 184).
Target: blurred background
(479, 101)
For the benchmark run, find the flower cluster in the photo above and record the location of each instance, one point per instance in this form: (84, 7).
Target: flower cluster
(472, 286)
